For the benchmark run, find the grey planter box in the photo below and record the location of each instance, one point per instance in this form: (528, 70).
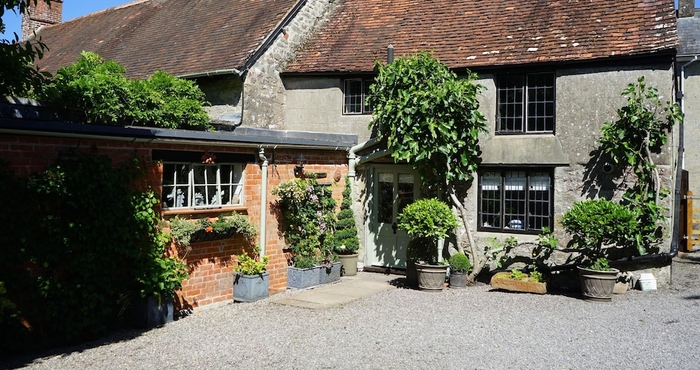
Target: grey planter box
(302, 278)
(329, 275)
(250, 288)
(147, 314)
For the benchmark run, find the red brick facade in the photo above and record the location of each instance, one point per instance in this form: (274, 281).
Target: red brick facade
(210, 263)
(41, 14)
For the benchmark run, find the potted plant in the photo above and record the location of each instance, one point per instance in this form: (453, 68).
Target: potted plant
(251, 280)
(597, 228)
(346, 241)
(185, 231)
(427, 221)
(459, 267)
(307, 218)
(157, 279)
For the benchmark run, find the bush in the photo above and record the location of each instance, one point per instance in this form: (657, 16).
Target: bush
(346, 241)
(251, 266)
(429, 218)
(597, 225)
(459, 262)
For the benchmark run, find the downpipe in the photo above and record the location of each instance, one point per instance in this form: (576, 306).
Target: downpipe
(263, 201)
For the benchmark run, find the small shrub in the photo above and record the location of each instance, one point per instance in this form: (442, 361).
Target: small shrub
(252, 266)
(459, 262)
(429, 218)
(517, 275)
(346, 241)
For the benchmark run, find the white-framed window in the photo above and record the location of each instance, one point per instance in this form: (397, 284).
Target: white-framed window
(355, 93)
(525, 103)
(515, 200)
(196, 185)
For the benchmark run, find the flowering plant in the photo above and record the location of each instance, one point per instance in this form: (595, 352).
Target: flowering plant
(184, 231)
(251, 265)
(307, 219)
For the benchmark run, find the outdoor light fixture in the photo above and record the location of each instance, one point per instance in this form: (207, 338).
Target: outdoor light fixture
(299, 167)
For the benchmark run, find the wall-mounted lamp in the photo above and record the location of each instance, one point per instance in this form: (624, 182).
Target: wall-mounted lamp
(299, 167)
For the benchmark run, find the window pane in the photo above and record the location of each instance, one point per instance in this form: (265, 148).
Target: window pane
(385, 206)
(175, 185)
(406, 182)
(510, 103)
(514, 200)
(538, 200)
(490, 200)
(367, 107)
(353, 97)
(205, 189)
(540, 97)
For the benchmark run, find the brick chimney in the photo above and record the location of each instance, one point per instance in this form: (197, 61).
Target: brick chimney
(686, 8)
(41, 14)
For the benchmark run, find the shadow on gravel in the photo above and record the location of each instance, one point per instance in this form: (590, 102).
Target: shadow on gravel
(13, 361)
(692, 297)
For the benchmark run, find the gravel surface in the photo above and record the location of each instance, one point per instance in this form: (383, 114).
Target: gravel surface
(472, 328)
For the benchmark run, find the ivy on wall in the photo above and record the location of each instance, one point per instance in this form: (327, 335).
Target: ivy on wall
(77, 239)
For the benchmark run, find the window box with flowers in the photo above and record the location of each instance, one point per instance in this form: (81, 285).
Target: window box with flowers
(184, 231)
(306, 211)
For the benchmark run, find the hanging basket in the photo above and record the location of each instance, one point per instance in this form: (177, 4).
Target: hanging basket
(204, 236)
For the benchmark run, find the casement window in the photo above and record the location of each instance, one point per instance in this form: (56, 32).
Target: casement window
(525, 103)
(197, 185)
(355, 93)
(515, 200)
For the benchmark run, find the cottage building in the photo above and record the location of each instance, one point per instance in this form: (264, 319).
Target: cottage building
(553, 73)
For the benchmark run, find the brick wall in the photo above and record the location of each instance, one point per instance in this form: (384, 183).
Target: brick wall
(210, 263)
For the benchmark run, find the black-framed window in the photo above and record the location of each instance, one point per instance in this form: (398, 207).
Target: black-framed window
(515, 200)
(355, 93)
(196, 185)
(526, 103)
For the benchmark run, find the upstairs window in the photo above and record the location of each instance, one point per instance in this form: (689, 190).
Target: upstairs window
(526, 103)
(515, 200)
(196, 185)
(355, 93)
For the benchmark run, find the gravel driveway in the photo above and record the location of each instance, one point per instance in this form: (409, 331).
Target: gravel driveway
(473, 328)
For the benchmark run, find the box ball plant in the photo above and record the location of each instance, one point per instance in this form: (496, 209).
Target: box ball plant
(427, 221)
(459, 267)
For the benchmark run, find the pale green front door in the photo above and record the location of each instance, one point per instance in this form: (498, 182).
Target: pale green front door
(393, 188)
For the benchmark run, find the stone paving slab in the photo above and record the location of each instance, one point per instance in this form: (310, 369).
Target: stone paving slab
(335, 295)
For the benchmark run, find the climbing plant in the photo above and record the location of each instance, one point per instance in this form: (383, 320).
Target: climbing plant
(632, 141)
(101, 90)
(76, 239)
(430, 118)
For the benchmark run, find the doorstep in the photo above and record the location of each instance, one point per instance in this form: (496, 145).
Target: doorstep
(334, 294)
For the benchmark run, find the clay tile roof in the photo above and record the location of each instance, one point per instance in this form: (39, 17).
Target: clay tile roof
(177, 36)
(478, 33)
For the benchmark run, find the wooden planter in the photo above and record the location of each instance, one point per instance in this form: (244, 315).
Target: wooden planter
(250, 288)
(503, 281)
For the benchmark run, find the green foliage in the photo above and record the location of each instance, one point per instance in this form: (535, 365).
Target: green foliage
(182, 229)
(307, 212)
(642, 129)
(517, 275)
(459, 262)
(422, 250)
(499, 252)
(429, 116)
(251, 265)
(346, 240)
(600, 264)
(536, 276)
(19, 76)
(101, 90)
(599, 224)
(428, 218)
(76, 238)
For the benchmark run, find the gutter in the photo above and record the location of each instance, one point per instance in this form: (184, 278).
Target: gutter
(217, 72)
(263, 201)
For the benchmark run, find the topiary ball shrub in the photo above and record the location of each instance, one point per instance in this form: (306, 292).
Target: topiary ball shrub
(460, 263)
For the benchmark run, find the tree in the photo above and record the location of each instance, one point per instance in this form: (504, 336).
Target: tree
(18, 74)
(430, 118)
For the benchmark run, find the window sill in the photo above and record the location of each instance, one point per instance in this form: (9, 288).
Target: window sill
(204, 211)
